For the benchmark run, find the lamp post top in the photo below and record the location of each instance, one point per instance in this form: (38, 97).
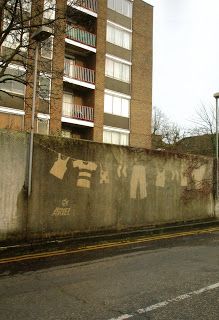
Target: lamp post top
(216, 95)
(42, 34)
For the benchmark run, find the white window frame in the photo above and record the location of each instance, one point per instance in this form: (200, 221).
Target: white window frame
(12, 40)
(113, 109)
(115, 68)
(116, 29)
(124, 7)
(49, 9)
(121, 133)
(42, 92)
(45, 45)
(13, 82)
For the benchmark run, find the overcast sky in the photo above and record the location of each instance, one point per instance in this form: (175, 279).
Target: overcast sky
(186, 56)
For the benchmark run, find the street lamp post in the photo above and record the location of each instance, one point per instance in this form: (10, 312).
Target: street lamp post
(216, 96)
(41, 34)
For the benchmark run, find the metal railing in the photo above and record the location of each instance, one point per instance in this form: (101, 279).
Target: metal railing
(87, 4)
(71, 70)
(80, 35)
(78, 112)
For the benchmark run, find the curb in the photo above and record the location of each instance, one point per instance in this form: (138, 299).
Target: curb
(6, 250)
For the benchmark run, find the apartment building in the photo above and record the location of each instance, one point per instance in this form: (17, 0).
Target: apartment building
(98, 83)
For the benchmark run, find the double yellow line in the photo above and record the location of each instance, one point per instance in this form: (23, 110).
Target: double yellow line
(106, 245)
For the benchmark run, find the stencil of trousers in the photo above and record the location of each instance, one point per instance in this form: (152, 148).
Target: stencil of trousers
(138, 179)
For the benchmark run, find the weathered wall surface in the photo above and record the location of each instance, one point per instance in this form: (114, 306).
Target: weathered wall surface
(13, 149)
(81, 186)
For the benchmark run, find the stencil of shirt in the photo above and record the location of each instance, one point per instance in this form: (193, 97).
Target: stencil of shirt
(138, 179)
(85, 170)
(160, 179)
(59, 167)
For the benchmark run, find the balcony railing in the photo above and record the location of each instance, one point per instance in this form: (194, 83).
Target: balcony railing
(81, 36)
(78, 112)
(87, 4)
(79, 73)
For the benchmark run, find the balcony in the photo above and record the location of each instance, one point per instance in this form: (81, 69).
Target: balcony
(80, 38)
(78, 75)
(87, 6)
(83, 115)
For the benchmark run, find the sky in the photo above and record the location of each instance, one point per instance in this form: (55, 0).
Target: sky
(186, 57)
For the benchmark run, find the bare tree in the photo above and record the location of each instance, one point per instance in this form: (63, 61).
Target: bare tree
(169, 131)
(19, 19)
(204, 120)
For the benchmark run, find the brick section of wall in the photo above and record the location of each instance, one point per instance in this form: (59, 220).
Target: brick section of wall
(37, 6)
(11, 121)
(57, 76)
(100, 72)
(141, 103)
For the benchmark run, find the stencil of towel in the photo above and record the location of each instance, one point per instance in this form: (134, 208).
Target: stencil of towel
(104, 176)
(160, 179)
(138, 181)
(85, 170)
(59, 167)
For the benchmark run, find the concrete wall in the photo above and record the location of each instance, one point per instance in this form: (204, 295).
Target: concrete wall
(13, 149)
(81, 186)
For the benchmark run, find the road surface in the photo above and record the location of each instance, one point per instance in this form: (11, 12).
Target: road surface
(166, 279)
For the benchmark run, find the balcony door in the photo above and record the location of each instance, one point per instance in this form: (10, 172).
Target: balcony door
(68, 105)
(70, 67)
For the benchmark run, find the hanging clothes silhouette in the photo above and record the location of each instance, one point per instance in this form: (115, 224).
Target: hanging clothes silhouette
(138, 181)
(59, 167)
(85, 170)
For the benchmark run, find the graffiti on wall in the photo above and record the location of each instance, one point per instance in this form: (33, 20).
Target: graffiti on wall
(136, 174)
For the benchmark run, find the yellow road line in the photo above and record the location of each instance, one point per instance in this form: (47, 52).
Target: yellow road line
(106, 245)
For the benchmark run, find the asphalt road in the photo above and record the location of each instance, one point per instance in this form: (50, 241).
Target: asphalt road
(169, 279)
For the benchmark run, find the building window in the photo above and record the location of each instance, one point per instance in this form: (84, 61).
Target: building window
(68, 104)
(116, 105)
(118, 70)
(49, 9)
(16, 38)
(118, 36)
(121, 6)
(47, 48)
(43, 126)
(115, 136)
(44, 87)
(14, 86)
(26, 4)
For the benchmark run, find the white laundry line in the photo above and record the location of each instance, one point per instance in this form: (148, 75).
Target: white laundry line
(165, 303)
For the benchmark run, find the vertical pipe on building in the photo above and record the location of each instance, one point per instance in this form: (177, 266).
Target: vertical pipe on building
(217, 148)
(33, 120)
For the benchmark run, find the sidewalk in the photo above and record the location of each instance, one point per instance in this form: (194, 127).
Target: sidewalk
(22, 248)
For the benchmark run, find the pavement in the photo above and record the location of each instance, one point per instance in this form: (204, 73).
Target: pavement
(8, 249)
(169, 276)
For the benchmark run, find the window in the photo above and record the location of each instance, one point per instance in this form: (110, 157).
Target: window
(49, 9)
(116, 105)
(118, 70)
(119, 36)
(26, 4)
(42, 126)
(67, 107)
(47, 48)
(44, 87)
(10, 85)
(121, 6)
(15, 38)
(115, 137)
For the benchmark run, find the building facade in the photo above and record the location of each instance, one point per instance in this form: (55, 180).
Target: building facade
(94, 75)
